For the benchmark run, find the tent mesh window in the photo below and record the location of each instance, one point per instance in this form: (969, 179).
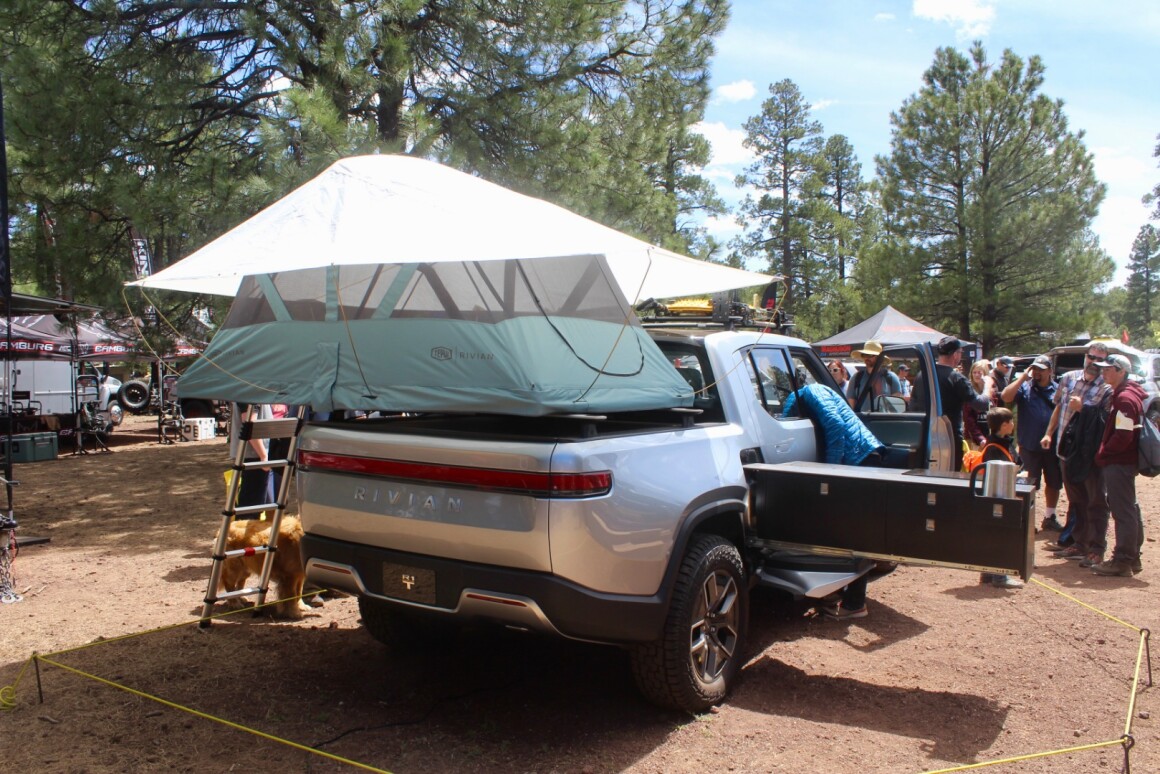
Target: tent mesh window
(487, 292)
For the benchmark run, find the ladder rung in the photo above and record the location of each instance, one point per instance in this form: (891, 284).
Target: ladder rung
(255, 464)
(247, 510)
(269, 428)
(246, 592)
(251, 551)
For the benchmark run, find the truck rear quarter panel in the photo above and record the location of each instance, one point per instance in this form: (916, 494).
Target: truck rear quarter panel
(623, 542)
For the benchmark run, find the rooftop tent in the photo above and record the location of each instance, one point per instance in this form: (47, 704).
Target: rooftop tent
(400, 209)
(889, 326)
(524, 337)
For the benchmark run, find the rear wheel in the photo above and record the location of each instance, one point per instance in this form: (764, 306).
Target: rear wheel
(134, 395)
(693, 665)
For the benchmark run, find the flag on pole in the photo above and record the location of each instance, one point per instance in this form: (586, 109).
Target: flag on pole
(5, 260)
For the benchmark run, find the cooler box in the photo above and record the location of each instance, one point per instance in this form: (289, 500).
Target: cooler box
(201, 429)
(31, 447)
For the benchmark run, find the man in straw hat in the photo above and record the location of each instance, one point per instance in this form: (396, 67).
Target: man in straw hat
(877, 380)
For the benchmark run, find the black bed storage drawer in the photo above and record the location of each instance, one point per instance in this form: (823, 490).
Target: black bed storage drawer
(912, 516)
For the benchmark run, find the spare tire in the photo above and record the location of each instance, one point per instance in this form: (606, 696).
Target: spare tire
(134, 395)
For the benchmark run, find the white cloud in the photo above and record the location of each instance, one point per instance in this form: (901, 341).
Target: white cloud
(822, 104)
(883, 17)
(1120, 167)
(1117, 224)
(973, 18)
(722, 228)
(738, 91)
(726, 144)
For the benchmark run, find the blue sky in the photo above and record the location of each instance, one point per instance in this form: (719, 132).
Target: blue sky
(856, 61)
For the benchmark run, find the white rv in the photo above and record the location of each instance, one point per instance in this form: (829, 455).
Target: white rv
(60, 387)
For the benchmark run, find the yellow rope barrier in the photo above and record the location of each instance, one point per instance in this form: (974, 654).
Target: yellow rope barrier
(1081, 603)
(1028, 757)
(1126, 741)
(8, 692)
(214, 718)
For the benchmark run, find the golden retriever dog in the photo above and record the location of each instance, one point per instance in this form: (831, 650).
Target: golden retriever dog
(287, 575)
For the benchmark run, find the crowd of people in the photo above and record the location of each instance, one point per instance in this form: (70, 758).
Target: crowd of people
(1078, 433)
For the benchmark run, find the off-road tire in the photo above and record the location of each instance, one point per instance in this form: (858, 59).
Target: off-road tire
(403, 630)
(694, 664)
(134, 395)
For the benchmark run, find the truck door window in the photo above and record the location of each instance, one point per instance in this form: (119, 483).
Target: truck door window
(772, 381)
(806, 370)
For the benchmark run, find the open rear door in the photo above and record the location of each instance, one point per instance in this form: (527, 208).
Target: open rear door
(927, 515)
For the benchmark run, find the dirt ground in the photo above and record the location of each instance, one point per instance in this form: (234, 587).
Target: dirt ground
(944, 672)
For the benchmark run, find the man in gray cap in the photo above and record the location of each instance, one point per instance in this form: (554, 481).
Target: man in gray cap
(1118, 457)
(1033, 394)
(1001, 373)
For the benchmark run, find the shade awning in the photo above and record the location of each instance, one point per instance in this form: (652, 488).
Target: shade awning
(404, 210)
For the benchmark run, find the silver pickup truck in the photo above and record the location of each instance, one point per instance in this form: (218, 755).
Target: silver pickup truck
(636, 529)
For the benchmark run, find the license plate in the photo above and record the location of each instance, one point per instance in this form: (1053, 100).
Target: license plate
(413, 584)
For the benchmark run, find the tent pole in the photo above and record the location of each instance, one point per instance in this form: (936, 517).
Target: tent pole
(6, 290)
(7, 519)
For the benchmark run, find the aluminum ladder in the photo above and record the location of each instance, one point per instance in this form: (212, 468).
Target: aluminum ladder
(253, 429)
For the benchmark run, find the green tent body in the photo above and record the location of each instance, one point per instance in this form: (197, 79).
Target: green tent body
(520, 337)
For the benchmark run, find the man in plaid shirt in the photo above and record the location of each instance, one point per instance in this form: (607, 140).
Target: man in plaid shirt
(1078, 391)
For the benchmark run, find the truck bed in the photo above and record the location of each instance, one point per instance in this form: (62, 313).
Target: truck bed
(560, 429)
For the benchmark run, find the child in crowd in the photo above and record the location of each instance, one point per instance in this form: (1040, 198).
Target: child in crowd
(1000, 446)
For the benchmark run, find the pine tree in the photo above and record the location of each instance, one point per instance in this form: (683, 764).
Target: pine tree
(988, 196)
(1143, 285)
(787, 143)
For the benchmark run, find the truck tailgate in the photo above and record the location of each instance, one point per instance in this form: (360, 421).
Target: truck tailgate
(441, 497)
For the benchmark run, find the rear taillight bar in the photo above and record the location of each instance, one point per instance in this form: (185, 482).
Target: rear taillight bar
(553, 485)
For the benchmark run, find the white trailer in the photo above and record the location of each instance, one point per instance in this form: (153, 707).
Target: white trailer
(59, 387)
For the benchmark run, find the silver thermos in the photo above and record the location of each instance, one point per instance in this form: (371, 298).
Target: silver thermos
(998, 479)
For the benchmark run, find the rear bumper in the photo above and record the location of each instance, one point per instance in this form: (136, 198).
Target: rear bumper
(519, 598)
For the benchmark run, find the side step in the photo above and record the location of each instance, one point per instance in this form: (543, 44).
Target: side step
(811, 576)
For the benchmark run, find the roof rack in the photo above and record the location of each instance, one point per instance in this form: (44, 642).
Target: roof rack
(727, 313)
(705, 323)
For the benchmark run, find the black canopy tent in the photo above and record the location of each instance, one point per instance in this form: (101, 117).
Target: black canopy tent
(23, 304)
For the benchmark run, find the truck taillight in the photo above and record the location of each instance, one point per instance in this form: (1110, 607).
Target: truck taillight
(557, 485)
